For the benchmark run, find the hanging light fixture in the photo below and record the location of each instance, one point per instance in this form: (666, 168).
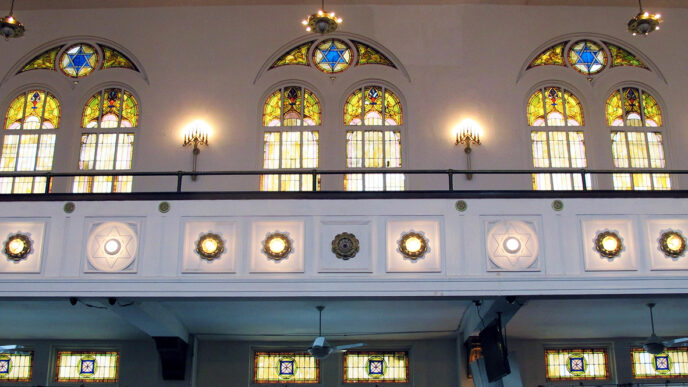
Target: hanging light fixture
(322, 22)
(644, 22)
(11, 27)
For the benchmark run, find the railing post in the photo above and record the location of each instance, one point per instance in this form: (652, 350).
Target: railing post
(48, 182)
(179, 181)
(314, 183)
(585, 185)
(450, 173)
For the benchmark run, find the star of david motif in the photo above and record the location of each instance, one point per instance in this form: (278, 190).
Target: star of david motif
(588, 57)
(114, 233)
(87, 366)
(5, 366)
(662, 363)
(375, 367)
(577, 364)
(79, 60)
(513, 258)
(286, 367)
(333, 56)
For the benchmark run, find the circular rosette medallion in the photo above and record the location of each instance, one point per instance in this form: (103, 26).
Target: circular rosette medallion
(17, 246)
(79, 60)
(345, 246)
(210, 246)
(332, 56)
(413, 245)
(277, 245)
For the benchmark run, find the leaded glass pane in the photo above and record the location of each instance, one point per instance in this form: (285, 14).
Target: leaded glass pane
(561, 106)
(115, 59)
(587, 57)
(286, 107)
(16, 367)
(79, 60)
(353, 108)
(111, 108)
(290, 150)
(615, 112)
(653, 114)
(639, 150)
(374, 149)
(106, 151)
(369, 55)
(551, 56)
(35, 109)
(376, 367)
(296, 56)
(44, 60)
(631, 105)
(87, 367)
(621, 57)
(392, 109)
(556, 149)
(332, 56)
(285, 367)
(576, 364)
(672, 363)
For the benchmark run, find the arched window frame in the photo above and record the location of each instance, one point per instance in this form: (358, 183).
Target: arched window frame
(20, 142)
(387, 137)
(116, 143)
(557, 144)
(637, 146)
(276, 151)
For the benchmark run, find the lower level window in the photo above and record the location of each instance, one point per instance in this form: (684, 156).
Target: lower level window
(576, 364)
(672, 363)
(639, 150)
(106, 151)
(373, 149)
(559, 149)
(16, 367)
(376, 367)
(29, 153)
(87, 367)
(290, 150)
(285, 367)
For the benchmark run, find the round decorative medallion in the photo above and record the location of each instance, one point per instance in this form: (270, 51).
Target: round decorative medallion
(608, 244)
(413, 245)
(557, 205)
(461, 205)
(376, 367)
(69, 207)
(112, 247)
(512, 245)
(210, 246)
(345, 246)
(79, 60)
(587, 57)
(164, 207)
(332, 56)
(18, 246)
(277, 245)
(672, 243)
(576, 364)
(286, 368)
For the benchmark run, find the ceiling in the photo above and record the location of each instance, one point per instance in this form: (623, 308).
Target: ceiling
(67, 4)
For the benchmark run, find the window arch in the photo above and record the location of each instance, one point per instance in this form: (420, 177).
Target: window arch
(637, 138)
(108, 121)
(290, 108)
(29, 140)
(377, 144)
(559, 141)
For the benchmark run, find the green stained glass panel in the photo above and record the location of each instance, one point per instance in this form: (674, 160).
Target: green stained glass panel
(295, 56)
(272, 109)
(112, 100)
(15, 113)
(393, 114)
(574, 110)
(130, 111)
(44, 60)
(621, 57)
(115, 59)
(52, 112)
(653, 114)
(34, 109)
(369, 55)
(551, 56)
(91, 112)
(311, 109)
(614, 111)
(536, 109)
(353, 107)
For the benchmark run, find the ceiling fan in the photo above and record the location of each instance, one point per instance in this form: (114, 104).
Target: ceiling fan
(320, 348)
(655, 345)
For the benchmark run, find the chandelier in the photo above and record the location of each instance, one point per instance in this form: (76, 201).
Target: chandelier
(321, 21)
(11, 27)
(644, 22)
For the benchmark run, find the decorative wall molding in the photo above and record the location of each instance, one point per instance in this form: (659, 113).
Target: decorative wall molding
(36, 230)
(594, 261)
(112, 246)
(512, 244)
(192, 229)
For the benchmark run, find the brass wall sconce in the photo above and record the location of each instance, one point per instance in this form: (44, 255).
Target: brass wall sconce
(210, 246)
(413, 245)
(196, 135)
(467, 134)
(672, 244)
(608, 244)
(277, 245)
(17, 247)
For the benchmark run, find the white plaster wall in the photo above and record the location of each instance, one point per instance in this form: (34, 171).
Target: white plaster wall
(463, 61)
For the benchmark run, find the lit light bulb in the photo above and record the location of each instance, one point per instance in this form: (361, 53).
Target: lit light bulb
(658, 16)
(339, 20)
(646, 14)
(320, 12)
(16, 246)
(112, 246)
(332, 14)
(209, 245)
(674, 242)
(308, 29)
(304, 22)
(512, 245)
(610, 243)
(277, 245)
(656, 28)
(413, 244)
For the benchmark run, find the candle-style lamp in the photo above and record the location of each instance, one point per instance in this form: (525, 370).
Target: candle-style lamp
(467, 134)
(196, 135)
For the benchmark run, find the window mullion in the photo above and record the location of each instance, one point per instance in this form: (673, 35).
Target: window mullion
(100, 109)
(646, 137)
(628, 155)
(549, 156)
(23, 112)
(364, 156)
(544, 108)
(121, 109)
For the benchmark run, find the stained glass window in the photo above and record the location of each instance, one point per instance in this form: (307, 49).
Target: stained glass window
(332, 56)
(376, 367)
(285, 367)
(551, 56)
(369, 55)
(295, 56)
(29, 142)
(44, 60)
(114, 59)
(621, 57)
(587, 57)
(79, 60)
(576, 364)
(16, 367)
(673, 362)
(87, 367)
(556, 108)
(372, 106)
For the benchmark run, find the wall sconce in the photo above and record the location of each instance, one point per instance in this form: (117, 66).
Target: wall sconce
(196, 134)
(17, 247)
(467, 134)
(413, 245)
(608, 244)
(672, 243)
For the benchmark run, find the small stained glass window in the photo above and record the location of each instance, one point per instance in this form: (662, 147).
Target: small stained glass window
(332, 56)
(553, 56)
(576, 364)
(673, 362)
(369, 55)
(373, 105)
(587, 57)
(79, 60)
(16, 367)
(114, 59)
(45, 61)
(621, 57)
(376, 367)
(295, 56)
(285, 367)
(87, 367)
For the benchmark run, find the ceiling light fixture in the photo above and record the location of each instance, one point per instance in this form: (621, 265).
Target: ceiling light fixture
(11, 27)
(644, 22)
(322, 22)
(277, 245)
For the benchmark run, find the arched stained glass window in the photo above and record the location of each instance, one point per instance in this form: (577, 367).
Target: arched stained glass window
(554, 146)
(45, 60)
(553, 56)
(29, 142)
(372, 107)
(629, 111)
(291, 108)
(108, 120)
(295, 56)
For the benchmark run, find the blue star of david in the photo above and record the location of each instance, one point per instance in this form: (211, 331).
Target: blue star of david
(333, 56)
(79, 60)
(587, 57)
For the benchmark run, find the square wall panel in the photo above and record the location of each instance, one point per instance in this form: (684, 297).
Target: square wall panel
(353, 241)
(222, 232)
(113, 245)
(591, 227)
(293, 262)
(659, 260)
(34, 230)
(430, 228)
(512, 243)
